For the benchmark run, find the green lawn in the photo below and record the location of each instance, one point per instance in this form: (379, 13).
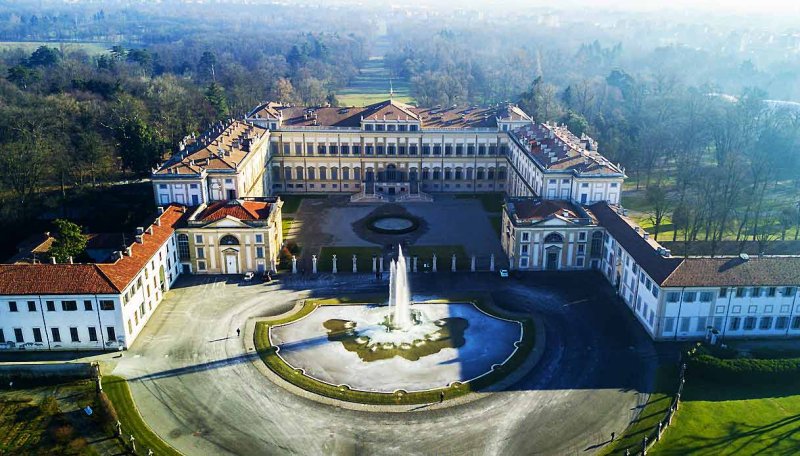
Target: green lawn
(344, 258)
(654, 410)
(118, 392)
(492, 202)
(291, 203)
(716, 419)
(286, 225)
(372, 86)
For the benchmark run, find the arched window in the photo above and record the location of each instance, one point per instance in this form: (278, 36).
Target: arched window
(391, 173)
(357, 173)
(334, 173)
(183, 247)
(345, 173)
(228, 240)
(469, 173)
(459, 173)
(310, 174)
(299, 172)
(553, 238)
(323, 173)
(491, 174)
(480, 173)
(448, 173)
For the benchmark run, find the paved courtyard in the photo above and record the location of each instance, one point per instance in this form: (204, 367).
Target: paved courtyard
(450, 221)
(198, 388)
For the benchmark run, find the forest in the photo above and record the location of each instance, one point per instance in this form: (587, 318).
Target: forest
(705, 124)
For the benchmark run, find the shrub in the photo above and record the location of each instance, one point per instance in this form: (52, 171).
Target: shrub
(62, 432)
(76, 446)
(743, 370)
(49, 406)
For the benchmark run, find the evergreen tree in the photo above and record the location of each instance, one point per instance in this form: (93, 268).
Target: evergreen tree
(69, 242)
(215, 95)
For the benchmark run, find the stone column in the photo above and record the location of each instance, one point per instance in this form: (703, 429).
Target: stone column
(313, 264)
(472, 265)
(355, 268)
(335, 269)
(453, 263)
(433, 266)
(374, 264)
(414, 268)
(294, 264)
(491, 263)
(380, 265)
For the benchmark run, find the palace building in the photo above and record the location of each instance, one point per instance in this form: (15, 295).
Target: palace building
(562, 212)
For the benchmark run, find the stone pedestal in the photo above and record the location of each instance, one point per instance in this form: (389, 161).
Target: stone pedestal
(355, 268)
(294, 264)
(433, 265)
(334, 270)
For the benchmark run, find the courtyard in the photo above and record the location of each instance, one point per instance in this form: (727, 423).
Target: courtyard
(203, 391)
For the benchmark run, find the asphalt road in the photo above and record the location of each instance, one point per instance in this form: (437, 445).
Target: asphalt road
(195, 385)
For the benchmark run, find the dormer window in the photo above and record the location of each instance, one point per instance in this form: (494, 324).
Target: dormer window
(391, 127)
(368, 127)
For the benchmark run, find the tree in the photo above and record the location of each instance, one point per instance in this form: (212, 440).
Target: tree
(69, 241)
(207, 65)
(656, 197)
(215, 95)
(22, 76)
(44, 56)
(575, 122)
(143, 58)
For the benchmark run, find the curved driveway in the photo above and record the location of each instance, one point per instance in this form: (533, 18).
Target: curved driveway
(195, 385)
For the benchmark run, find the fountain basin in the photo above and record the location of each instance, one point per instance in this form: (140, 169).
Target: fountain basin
(461, 353)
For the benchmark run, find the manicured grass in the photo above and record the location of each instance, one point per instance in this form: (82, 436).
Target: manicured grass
(497, 223)
(118, 392)
(276, 364)
(291, 203)
(666, 384)
(717, 419)
(286, 225)
(492, 202)
(372, 86)
(344, 258)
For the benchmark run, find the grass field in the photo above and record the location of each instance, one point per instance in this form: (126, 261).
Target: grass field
(91, 48)
(653, 411)
(716, 419)
(492, 202)
(291, 203)
(372, 86)
(286, 225)
(118, 392)
(49, 420)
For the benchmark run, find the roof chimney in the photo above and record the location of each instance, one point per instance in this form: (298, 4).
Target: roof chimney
(158, 221)
(160, 210)
(139, 229)
(118, 255)
(129, 250)
(139, 240)
(53, 260)
(646, 235)
(150, 229)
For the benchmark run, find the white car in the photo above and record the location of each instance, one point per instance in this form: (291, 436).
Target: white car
(504, 273)
(249, 276)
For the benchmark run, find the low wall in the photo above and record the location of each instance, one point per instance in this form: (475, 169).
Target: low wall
(26, 373)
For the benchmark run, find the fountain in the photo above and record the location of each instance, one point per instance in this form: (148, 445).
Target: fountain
(399, 294)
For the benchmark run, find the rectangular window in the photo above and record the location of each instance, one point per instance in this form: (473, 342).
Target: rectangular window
(2, 337)
(756, 292)
(655, 291)
(73, 334)
(12, 306)
(771, 291)
(736, 322)
(788, 291)
(765, 323)
(18, 335)
(111, 333)
(56, 334)
(580, 262)
(37, 335)
(749, 323)
(106, 304)
(259, 252)
(259, 238)
(87, 305)
(201, 253)
(31, 306)
(92, 334)
(706, 296)
(51, 306)
(781, 322)
(198, 238)
(689, 296)
(673, 296)
(201, 265)
(685, 322)
(701, 324)
(69, 306)
(525, 236)
(723, 292)
(740, 292)
(669, 324)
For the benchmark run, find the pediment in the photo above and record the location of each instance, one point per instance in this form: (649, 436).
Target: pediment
(227, 222)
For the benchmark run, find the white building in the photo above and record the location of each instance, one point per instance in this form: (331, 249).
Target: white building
(90, 306)
(697, 297)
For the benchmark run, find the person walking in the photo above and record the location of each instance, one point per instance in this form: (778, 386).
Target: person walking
(238, 332)
(441, 397)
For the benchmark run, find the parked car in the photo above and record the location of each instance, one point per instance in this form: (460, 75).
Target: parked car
(249, 276)
(504, 273)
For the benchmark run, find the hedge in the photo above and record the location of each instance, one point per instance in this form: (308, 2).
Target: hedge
(744, 370)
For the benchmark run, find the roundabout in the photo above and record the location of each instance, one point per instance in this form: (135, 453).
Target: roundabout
(205, 391)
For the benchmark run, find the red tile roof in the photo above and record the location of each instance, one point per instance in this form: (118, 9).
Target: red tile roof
(124, 270)
(536, 209)
(556, 148)
(242, 210)
(765, 271)
(96, 278)
(53, 279)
